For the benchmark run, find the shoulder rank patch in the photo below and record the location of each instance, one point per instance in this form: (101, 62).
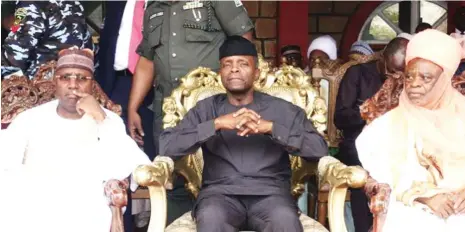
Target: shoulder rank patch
(20, 15)
(156, 15)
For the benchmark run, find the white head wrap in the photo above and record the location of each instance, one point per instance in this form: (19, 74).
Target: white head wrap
(325, 44)
(405, 35)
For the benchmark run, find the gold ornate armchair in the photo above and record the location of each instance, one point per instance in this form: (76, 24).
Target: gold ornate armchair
(333, 72)
(287, 82)
(20, 94)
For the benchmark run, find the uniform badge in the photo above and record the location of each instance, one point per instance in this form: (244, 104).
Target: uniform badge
(238, 3)
(192, 5)
(20, 15)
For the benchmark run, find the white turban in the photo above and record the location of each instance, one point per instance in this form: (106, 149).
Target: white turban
(325, 44)
(405, 35)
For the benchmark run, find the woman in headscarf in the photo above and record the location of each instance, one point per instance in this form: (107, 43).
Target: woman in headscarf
(418, 147)
(323, 48)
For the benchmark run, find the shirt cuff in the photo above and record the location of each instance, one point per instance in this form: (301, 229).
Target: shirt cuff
(145, 50)
(280, 133)
(235, 28)
(205, 130)
(133, 184)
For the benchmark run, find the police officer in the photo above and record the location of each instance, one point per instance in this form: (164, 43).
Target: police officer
(179, 36)
(40, 30)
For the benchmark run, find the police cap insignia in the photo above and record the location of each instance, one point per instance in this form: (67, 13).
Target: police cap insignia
(20, 15)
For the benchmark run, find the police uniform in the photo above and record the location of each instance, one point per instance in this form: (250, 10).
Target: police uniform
(179, 36)
(41, 30)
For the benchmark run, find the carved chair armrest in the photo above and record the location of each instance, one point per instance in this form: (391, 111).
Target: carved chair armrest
(302, 170)
(116, 193)
(157, 178)
(339, 177)
(379, 195)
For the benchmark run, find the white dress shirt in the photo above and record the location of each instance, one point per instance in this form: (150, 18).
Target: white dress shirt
(124, 37)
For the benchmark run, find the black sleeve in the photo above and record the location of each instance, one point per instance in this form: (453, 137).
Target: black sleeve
(193, 130)
(347, 112)
(300, 138)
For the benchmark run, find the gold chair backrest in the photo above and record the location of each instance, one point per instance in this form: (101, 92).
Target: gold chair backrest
(333, 72)
(287, 82)
(19, 93)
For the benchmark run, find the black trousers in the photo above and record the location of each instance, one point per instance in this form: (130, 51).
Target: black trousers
(230, 213)
(363, 219)
(120, 95)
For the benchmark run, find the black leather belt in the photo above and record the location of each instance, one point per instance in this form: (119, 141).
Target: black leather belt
(124, 72)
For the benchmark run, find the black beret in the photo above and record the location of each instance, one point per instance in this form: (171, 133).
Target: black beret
(237, 46)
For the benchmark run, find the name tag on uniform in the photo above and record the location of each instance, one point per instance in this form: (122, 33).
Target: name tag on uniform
(192, 5)
(156, 15)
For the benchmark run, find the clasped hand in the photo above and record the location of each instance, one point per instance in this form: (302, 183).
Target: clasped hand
(446, 204)
(245, 121)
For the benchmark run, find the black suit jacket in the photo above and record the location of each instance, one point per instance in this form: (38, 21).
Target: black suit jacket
(105, 73)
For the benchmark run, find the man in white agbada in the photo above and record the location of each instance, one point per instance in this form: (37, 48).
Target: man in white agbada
(56, 157)
(418, 147)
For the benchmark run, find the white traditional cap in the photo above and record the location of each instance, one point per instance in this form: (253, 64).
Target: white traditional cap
(405, 35)
(326, 44)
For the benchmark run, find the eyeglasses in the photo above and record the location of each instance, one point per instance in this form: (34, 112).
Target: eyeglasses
(68, 76)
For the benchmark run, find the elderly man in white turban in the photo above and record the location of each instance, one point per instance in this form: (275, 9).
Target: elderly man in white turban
(417, 147)
(56, 157)
(361, 82)
(323, 48)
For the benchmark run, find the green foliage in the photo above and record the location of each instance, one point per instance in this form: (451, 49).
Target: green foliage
(392, 13)
(379, 29)
(381, 32)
